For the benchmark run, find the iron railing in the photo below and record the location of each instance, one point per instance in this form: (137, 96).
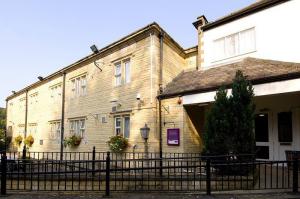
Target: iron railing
(109, 172)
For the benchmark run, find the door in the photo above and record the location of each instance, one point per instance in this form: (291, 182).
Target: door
(263, 132)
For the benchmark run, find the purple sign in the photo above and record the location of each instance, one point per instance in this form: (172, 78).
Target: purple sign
(173, 137)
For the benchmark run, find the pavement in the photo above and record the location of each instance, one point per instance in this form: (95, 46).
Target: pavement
(93, 195)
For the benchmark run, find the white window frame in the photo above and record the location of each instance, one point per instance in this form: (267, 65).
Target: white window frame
(78, 127)
(79, 86)
(121, 128)
(237, 47)
(55, 130)
(127, 71)
(118, 74)
(55, 92)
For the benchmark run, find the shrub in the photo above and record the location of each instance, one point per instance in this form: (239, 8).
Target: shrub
(72, 141)
(117, 144)
(29, 140)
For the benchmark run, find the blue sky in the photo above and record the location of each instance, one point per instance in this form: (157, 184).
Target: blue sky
(40, 37)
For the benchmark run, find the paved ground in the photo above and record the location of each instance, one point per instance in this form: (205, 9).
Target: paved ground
(241, 195)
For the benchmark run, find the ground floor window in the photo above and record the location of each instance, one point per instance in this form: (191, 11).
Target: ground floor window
(55, 129)
(77, 127)
(122, 126)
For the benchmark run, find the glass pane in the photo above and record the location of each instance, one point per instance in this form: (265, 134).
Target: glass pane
(118, 122)
(262, 152)
(261, 128)
(247, 41)
(219, 50)
(126, 127)
(285, 129)
(127, 71)
(231, 45)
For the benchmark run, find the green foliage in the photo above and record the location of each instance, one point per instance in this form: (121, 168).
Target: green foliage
(229, 123)
(117, 144)
(243, 109)
(72, 141)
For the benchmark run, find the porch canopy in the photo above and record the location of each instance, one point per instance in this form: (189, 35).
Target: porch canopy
(267, 76)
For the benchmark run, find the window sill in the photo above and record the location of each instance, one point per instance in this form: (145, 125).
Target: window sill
(234, 56)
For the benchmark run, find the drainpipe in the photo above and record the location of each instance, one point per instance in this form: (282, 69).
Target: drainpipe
(26, 112)
(160, 84)
(6, 127)
(62, 126)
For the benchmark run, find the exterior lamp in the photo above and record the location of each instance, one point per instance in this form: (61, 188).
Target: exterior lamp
(145, 132)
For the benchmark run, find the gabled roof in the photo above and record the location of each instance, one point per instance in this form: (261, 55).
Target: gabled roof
(252, 8)
(257, 71)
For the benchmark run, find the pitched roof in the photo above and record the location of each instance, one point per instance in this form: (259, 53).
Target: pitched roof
(256, 70)
(252, 8)
(91, 56)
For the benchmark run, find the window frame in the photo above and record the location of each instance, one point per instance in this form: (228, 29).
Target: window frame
(127, 74)
(76, 127)
(79, 86)
(121, 127)
(238, 51)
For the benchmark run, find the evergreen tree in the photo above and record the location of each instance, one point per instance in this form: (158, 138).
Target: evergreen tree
(229, 123)
(242, 109)
(217, 126)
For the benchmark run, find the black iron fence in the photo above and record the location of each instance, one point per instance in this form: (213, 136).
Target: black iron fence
(109, 172)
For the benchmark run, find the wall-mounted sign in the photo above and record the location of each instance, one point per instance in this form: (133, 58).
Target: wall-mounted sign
(173, 137)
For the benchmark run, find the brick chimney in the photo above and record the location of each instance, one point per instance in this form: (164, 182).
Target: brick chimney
(201, 21)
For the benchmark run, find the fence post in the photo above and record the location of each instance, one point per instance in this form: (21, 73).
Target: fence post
(208, 177)
(107, 175)
(24, 158)
(295, 174)
(3, 173)
(93, 162)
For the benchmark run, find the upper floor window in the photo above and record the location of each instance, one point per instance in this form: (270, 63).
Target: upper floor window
(32, 128)
(118, 74)
(79, 85)
(77, 127)
(22, 104)
(55, 92)
(122, 72)
(33, 98)
(235, 44)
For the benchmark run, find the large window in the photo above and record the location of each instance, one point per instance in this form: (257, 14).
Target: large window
(79, 86)
(55, 129)
(122, 72)
(122, 126)
(235, 44)
(77, 127)
(285, 127)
